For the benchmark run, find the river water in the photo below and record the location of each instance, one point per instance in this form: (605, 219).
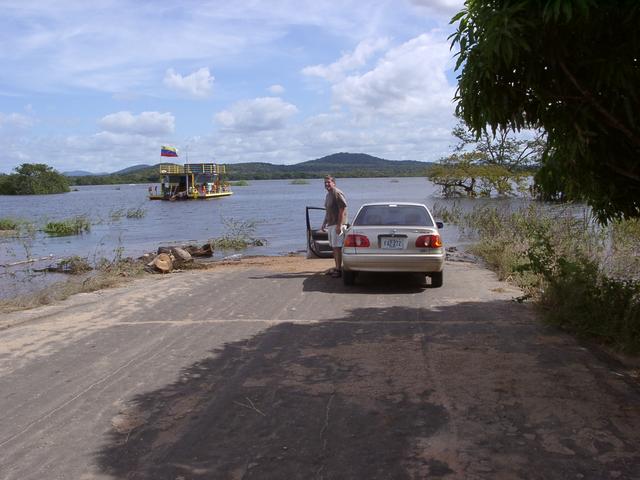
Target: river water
(276, 206)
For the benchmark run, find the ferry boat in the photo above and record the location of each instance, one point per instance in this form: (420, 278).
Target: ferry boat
(191, 181)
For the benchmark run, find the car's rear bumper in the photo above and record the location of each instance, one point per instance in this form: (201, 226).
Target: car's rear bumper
(393, 263)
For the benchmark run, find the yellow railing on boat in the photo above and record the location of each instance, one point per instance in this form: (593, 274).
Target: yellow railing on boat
(210, 168)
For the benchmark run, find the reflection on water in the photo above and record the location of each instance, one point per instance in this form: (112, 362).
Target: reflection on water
(276, 205)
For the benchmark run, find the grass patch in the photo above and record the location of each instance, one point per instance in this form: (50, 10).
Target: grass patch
(299, 181)
(585, 277)
(73, 226)
(239, 183)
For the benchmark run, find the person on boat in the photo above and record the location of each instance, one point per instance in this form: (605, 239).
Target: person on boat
(335, 221)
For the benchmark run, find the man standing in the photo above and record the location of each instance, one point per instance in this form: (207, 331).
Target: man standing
(335, 220)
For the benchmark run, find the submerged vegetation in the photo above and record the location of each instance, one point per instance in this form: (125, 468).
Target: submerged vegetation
(74, 226)
(117, 213)
(238, 235)
(8, 224)
(585, 277)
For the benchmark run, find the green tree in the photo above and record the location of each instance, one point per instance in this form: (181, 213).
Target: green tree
(34, 179)
(481, 165)
(571, 67)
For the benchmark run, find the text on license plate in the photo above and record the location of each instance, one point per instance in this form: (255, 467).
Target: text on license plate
(394, 243)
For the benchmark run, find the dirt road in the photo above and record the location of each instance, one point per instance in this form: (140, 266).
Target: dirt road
(268, 369)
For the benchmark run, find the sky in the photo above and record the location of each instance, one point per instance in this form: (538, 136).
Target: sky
(102, 85)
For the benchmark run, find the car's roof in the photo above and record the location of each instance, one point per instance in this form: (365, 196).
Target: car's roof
(395, 203)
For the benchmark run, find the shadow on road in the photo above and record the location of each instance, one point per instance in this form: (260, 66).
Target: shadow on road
(353, 398)
(368, 283)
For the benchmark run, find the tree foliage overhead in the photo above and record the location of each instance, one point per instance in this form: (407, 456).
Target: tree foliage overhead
(571, 67)
(33, 179)
(486, 164)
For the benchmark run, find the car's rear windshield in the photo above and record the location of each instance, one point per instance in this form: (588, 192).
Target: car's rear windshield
(393, 215)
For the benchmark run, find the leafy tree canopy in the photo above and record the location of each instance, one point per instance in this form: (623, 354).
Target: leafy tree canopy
(571, 67)
(33, 179)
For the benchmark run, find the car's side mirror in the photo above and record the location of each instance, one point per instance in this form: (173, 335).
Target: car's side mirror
(439, 224)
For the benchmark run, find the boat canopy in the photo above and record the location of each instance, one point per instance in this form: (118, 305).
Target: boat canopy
(193, 168)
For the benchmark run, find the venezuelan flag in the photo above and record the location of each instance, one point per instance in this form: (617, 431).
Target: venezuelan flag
(168, 152)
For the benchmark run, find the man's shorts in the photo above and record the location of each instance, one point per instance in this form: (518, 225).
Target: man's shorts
(336, 240)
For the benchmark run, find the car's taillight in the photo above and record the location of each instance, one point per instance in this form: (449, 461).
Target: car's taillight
(355, 240)
(429, 241)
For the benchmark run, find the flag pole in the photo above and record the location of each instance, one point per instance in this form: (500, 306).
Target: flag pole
(187, 166)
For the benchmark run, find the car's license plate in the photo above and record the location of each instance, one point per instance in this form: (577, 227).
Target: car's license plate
(393, 243)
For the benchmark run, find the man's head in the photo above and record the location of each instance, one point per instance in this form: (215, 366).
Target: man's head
(329, 182)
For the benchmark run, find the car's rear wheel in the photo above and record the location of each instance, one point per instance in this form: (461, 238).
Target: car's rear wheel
(436, 279)
(348, 277)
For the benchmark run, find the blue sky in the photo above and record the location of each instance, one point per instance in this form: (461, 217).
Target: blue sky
(101, 85)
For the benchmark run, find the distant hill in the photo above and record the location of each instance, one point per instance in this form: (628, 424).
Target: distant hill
(338, 164)
(81, 173)
(349, 162)
(134, 168)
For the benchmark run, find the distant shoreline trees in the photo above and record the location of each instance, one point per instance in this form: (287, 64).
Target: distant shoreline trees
(33, 179)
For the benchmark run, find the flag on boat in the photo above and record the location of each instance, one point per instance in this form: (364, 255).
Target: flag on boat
(168, 151)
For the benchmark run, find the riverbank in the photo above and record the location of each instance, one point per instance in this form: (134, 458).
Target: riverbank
(118, 273)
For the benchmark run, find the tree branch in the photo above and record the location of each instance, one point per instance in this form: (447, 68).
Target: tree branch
(611, 120)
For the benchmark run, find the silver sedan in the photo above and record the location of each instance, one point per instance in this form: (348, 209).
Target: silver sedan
(393, 237)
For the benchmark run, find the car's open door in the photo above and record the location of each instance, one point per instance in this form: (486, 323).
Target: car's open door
(317, 240)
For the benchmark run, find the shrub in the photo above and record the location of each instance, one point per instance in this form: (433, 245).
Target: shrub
(74, 265)
(579, 272)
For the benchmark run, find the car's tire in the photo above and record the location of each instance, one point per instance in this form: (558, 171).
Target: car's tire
(348, 277)
(436, 279)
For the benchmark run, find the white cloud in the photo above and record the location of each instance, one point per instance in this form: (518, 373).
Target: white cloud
(266, 113)
(198, 84)
(276, 89)
(384, 94)
(409, 81)
(349, 61)
(147, 123)
(446, 7)
(15, 120)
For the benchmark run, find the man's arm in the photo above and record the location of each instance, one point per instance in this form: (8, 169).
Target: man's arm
(340, 219)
